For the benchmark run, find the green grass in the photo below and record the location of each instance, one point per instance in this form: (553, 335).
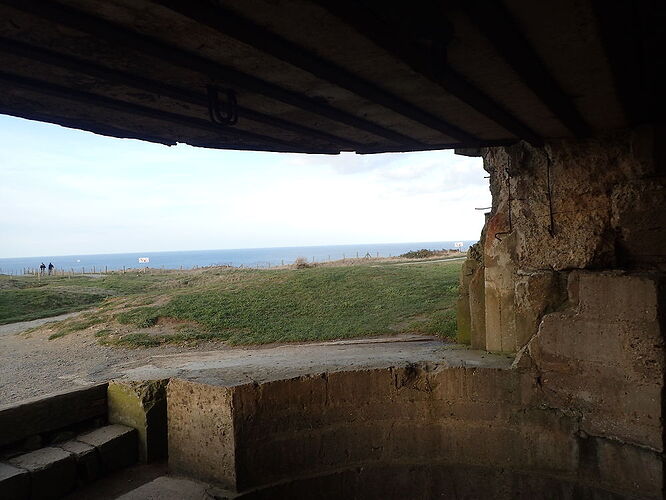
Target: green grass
(34, 303)
(139, 339)
(266, 306)
(26, 298)
(316, 304)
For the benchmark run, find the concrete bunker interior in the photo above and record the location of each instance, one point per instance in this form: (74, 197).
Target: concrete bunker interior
(562, 101)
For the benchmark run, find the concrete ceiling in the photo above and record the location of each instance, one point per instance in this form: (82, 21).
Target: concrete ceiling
(324, 77)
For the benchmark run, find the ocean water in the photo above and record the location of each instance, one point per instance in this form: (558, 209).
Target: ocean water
(242, 257)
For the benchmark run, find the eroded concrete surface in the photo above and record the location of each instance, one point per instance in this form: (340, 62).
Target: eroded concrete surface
(31, 365)
(239, 366)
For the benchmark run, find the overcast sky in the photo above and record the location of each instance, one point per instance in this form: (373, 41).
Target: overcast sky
(65, 191)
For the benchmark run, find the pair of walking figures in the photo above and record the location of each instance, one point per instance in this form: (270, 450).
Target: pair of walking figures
(42, 268)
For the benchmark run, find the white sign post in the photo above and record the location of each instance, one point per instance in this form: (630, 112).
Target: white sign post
(459, 245)
(144, 260)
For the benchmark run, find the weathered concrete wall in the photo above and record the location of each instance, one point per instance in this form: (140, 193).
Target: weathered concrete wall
(594, 204)
(201, 432)
(574, 261)
(601, 359)
(401, 433)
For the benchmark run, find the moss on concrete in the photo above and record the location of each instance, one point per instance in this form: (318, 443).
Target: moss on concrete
(141, 405)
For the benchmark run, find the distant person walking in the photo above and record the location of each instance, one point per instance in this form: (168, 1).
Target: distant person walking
(42, 268)
(51, 267)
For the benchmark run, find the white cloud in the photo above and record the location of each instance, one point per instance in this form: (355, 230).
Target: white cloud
(66, 192)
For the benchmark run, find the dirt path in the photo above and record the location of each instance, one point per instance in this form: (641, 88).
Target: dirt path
(14, 328)
(31, 365)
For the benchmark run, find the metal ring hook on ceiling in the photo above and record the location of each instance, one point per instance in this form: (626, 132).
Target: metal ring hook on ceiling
(222, 113)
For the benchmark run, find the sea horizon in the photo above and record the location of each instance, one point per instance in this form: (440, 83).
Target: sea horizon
(236, 257)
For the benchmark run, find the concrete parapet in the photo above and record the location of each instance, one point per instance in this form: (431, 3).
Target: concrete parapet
(430, 427)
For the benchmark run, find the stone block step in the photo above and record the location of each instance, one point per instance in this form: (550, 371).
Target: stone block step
(54, 471)
(116, 445)
(14, 482)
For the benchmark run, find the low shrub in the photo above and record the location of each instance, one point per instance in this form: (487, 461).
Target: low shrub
(302, 263)
(422, 254)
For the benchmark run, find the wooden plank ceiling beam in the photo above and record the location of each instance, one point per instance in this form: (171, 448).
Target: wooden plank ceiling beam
(229, 135)
(431, 64)
(632, 34)
(214, 71)
(498, 26)
(103, 73)
(230, 24)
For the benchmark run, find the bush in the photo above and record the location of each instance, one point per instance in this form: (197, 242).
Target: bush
(422, 254)
(302, 263)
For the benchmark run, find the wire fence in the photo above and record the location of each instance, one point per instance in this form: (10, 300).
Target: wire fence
(99, 270)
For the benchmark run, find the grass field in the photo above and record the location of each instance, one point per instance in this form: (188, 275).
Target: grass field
(244, 306)
(24, 298)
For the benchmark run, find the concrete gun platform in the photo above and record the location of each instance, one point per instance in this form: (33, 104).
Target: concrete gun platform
(275, 362)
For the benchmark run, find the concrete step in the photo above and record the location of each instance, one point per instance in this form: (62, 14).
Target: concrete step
(54, 471)
(177, 488)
